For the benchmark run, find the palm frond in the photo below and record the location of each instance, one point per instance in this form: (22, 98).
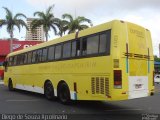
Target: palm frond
(40, 14)
(67, 16)
(18, 25)
(49, 10)
(76, 24)
(82, 27)
(10, 28)
(3, 22)
(22, 23)
(36, 23)
(54, 29)
(8, 12)
(19, 15)
(83, 19)
(71, 31)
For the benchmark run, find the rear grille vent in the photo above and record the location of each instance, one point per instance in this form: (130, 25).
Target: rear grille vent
(107, 86)
(93, 85)
(97, 85)
(100, 85)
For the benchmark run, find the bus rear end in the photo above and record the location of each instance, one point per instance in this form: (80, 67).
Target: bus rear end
(140, 61)
(133, 78)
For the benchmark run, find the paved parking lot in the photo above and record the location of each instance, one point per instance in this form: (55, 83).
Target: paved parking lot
(20, 102)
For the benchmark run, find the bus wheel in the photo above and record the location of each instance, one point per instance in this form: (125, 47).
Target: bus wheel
(49, 91)
(10, 85)
(64, 93)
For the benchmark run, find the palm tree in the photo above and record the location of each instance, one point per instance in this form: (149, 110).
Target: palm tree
(47, 20)
(77, 23)
(62, 26)
(12, 21)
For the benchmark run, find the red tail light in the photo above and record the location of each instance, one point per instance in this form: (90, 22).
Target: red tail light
(117, 79)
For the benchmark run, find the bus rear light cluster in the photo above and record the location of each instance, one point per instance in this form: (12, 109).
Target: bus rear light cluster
(117, 79)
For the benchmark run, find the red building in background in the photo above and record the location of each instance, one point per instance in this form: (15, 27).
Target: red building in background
(17, 45)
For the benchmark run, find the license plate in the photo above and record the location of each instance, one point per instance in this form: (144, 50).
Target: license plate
(138, 86)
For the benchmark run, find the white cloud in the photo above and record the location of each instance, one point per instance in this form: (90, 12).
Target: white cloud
(105, 5)
(143, 12)
(149, 23)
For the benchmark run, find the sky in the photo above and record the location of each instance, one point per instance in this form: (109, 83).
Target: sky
(142, 12)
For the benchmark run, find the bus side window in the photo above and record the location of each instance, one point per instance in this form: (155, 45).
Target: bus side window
(92, 44)
(44, 55)
(29, 57)
(67, 50)
(78, 48)
(22, 59)
(8, 61)
(12, 61)
(58, 52)
(84, 46)
(5, 65)
(39, 56)
(34, 54)
(73, 54)
(103, 43)
(17, 62)
(51, 52)
(25, 58)
(108, 39)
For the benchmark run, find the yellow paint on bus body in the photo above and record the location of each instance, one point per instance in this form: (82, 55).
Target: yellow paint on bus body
(94, 75)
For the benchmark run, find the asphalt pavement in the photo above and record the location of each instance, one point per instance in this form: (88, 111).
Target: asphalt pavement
(22, 102)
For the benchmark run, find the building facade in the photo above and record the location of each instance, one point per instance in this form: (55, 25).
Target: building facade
(37, 34)
(17, 45)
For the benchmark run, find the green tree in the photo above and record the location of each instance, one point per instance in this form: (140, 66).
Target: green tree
(47, 20)
(62, 26)
(10, 22)
(79, 23)
(156, 59)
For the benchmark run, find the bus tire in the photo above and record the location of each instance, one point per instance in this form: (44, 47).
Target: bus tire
(10, 85)
(64, 93)
(49, 91)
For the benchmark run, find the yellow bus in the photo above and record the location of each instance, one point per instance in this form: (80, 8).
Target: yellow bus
(111, 61)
